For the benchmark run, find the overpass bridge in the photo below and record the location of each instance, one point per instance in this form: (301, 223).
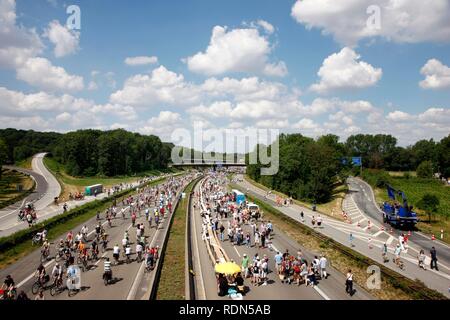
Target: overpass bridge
(208, 163)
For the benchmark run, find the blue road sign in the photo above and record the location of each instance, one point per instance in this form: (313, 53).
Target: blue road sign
(357, 161)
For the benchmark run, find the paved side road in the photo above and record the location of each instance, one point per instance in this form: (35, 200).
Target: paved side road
(340, 231)
(206, 287)
(9, 214)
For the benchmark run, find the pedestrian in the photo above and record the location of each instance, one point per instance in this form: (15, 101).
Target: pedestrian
(302, 216)
(323, 267)
(349, 282)
(369, 243)
(319, 221)
(313, 221)
(245, 265)
(433, 256)
(351, 240)
(384, 251)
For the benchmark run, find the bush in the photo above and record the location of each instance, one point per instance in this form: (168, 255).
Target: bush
(425, 170)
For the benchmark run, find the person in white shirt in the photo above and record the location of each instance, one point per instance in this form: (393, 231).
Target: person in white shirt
(128, 251)
(323, 267)
(116, 252)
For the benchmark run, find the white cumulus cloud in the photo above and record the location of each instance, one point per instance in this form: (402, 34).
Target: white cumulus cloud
(237, 50)
(437, 75)
(41, 73)
(141, 60)
(403, 21)
(66, 41)
(344, 70)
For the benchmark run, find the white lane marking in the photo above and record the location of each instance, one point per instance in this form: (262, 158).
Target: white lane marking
(389, 241)
(237, 251)
(378, 233)
(321, 293)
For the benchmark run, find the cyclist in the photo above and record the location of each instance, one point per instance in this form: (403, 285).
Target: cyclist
(84, 232)
(78, 238)
(45, 248)
(40, 274)
(107, 270)
(116, 253)
(57, 274)
(98, 230)
(69, 238)
(94, 249)
(8, 286)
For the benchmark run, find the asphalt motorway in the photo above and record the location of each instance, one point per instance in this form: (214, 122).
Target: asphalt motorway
(332, 288)
(93, 288)
(364, 198)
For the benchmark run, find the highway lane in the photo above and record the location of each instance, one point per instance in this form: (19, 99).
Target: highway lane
(364, 198)
(329, 289)
(92, 282)
(340, 231)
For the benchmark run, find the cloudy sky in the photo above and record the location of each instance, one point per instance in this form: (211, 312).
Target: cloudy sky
(311, 66)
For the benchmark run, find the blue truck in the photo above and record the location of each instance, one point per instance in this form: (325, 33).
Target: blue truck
(396, 214)
(239, 197)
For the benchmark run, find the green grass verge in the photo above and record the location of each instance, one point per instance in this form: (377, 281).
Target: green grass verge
(25, 163)
(409, 288)
(171, 285)
(17, 245)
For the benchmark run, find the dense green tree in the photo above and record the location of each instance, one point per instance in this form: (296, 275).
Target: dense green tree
(443, 156)
(3, 154)
(429, 203)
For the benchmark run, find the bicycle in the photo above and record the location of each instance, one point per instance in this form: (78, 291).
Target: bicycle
(57, 287)
(38, 284)
(45, 254)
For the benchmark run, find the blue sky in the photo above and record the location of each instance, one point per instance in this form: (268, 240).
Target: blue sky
(394, 79)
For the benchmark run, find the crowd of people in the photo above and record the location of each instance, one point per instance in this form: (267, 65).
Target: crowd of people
(235, 223)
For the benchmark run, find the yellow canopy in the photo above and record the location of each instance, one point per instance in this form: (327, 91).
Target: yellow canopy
(227, 268)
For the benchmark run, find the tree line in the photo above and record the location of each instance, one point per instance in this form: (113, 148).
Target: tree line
(90, 152)
(309, 169)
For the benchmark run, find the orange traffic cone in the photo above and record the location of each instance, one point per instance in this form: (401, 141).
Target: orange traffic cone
(433, 237)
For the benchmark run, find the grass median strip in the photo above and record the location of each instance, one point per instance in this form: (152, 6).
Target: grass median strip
(171, 285)
(18, 245)
(393, 285)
